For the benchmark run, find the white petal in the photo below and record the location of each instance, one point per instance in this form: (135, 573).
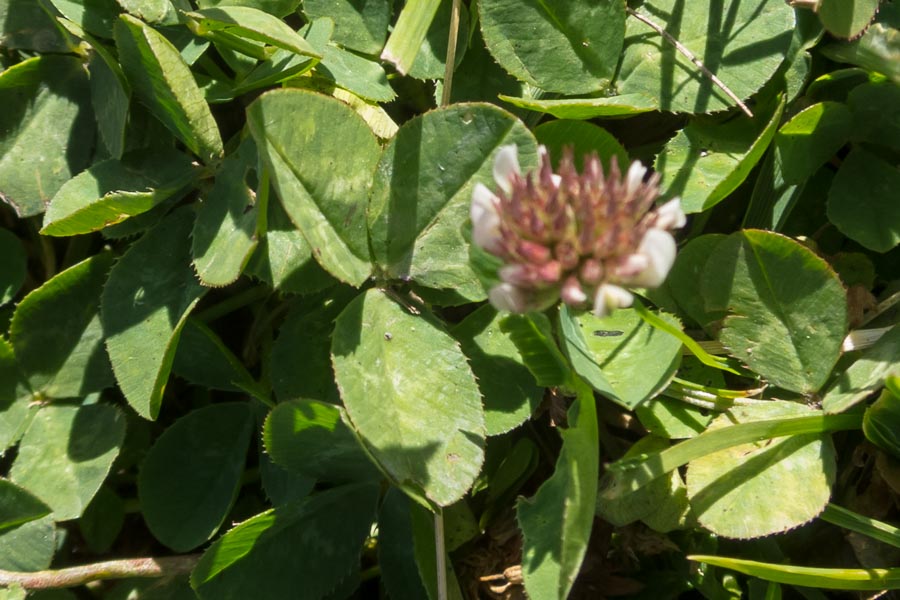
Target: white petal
(659, 248)
(508, 297)
(483, 202)
(635, 175)
(610, 297)
(670, 215)
(485, 219)
(506, 163)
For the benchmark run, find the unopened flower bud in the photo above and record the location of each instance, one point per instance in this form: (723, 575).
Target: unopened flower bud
(533, 252)
(572, 292)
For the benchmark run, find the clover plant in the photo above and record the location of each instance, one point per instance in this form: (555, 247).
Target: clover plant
(449, 299)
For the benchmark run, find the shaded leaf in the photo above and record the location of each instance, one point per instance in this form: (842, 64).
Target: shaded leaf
(112, 190)
(224, 233)
(810, 138)
(312, 438)
(871, 218)
(191, 475)
(385, 361)
(279, 8)
(360, 26)
(846, 19)
(146, 301)
(111, 99)
(203, 359)
(556, 521)
(743, 42)
(301, 357)
(284, 259)
(583, 138)
(28, 547)
(321, 174)
(66, 454)
(102, 520)
(787, 309)
(396, 551)
(876, 113)
(253, 24)
(13, 267)
(636, 359)
(881, 422)
(29, 25)
(164, 84)
(730, 491)
(686, 275)
(95, 16)
(509, 393)
(566, 47)
(363, 77)
(478, 78)
(18, 505)
(709, 159)
(325, 532)
(57, 335)
(864, 376)
(662, 502)
(431, 59)
(46, 103)
(16, 405)
(532, 334)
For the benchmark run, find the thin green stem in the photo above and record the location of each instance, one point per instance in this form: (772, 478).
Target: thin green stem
(440, 554)
(262, 204)
(47, 252)
(233, 303)
(452, 36)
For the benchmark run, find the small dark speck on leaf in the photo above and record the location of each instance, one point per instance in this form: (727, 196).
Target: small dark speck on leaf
(607, 333)
(452, 457)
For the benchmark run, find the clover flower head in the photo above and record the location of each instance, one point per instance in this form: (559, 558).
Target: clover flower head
(582, 238)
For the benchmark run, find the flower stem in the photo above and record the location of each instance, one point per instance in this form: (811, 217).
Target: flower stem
(441, 554)
(114, 569)
(452, 36)
(232, 303)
